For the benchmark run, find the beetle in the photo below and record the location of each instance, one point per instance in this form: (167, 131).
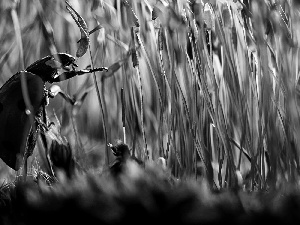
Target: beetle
(18, 132)
(122, 153)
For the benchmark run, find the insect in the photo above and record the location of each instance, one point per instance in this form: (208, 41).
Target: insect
(18, 132)
(122, 153)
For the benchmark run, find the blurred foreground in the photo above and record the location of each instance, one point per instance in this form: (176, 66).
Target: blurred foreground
(141, 196)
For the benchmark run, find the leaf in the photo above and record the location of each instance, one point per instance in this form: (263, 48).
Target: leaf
(83, 46)
(84, 40)
(98, 27)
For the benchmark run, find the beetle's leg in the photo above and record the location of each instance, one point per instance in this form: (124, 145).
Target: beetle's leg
(30, 145)
(69, 74)
(24, 169)
(65, 76)
(44, 126)
(21, 176)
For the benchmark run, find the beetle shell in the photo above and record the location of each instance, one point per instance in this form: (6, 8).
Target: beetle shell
(17, 134)
(15, 124)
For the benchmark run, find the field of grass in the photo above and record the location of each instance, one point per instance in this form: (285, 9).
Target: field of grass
(211, 86)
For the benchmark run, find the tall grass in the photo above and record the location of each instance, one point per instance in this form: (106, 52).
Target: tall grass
(213, 87)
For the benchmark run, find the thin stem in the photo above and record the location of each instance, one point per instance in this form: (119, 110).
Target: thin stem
(102, 109)
(142, 111)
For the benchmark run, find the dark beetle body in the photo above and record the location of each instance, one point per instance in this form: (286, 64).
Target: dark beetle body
(17, 133)
(122, 153)
(15, 124)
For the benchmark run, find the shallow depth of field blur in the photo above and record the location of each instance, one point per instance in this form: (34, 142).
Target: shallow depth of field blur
(215, 91)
